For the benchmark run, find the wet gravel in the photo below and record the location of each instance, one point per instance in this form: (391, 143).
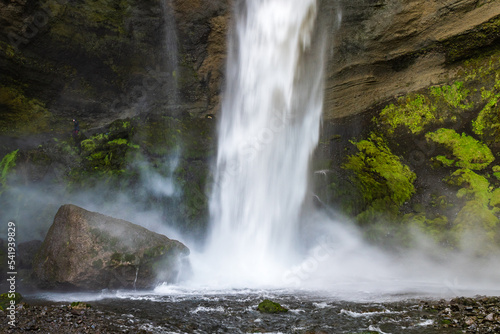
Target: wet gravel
(471, 315)
(238, 314)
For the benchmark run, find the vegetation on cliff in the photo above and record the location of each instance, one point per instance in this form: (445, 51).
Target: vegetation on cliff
(429, 160)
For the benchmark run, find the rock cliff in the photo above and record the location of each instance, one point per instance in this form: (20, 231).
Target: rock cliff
(100, 61)
(385, 48)
(400, 75)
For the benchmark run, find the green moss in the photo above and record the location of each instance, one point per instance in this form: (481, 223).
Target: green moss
(496, 172)
(379, 174)
(21, 114)
(495, 198)
(5, 299)
(155, 251)
(412, 112)
(88, 145)
(80, 305)
(6, 165)
(469, 152)
(473, 186)
(268, 306)
(476, 213)
(119, 141)
(436, 228)
(487, 123)
(444, 161)
(476, 216)
(454, 95)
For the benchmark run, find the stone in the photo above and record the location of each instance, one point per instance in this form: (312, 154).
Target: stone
(268, 306)
(90, 251)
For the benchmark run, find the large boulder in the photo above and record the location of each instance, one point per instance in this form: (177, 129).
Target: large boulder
(91, 251)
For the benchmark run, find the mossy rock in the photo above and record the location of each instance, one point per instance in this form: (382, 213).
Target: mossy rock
(473, 186)
(413, 112)
(379, 174)
(268, 306)
(478, 218)
(5, 299)
(467, 151)
(22, 114)
(80, 305)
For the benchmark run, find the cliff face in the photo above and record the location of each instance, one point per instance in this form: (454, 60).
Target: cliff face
(164, 61)
(388, 47)
(100, 61)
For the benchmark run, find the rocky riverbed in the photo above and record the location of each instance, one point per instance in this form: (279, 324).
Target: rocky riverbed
(472, 315)
(237, 313)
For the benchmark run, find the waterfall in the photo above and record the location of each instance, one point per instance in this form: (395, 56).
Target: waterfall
(269, 127)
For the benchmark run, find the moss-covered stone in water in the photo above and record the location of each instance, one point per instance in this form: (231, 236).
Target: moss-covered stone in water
(413, 112)
(268, 306)
(468, 152)
(80, 305)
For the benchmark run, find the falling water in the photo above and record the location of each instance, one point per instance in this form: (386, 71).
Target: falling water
(268, 130)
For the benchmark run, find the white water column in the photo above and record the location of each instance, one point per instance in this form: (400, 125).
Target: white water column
(268, 130)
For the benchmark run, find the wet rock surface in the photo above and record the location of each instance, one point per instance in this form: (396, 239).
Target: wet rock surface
(60, 318)
(472, 315)
(237, 313)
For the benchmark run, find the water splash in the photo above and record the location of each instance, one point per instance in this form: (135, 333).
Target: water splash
(268, 131)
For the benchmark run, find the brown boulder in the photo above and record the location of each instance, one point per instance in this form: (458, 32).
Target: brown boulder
(91, 251)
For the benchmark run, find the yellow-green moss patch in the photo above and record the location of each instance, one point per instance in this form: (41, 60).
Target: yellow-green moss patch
(467, 151)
